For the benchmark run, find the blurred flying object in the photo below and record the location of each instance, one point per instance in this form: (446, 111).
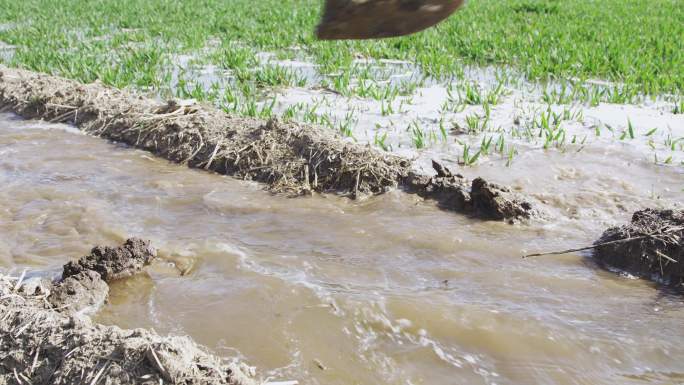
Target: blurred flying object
(374, 19)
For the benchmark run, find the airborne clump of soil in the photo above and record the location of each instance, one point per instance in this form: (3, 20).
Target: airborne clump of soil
(46, 338)
(288, 157)
(650, 246)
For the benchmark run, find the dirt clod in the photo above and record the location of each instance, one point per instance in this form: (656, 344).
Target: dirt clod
(114, 262)
(82, 292)
(45, 338)
(478, 198)
(492, 201)
(650, 246)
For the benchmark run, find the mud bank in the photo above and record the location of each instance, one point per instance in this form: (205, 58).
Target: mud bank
(651, 246)
(46, 338)
(288, 157)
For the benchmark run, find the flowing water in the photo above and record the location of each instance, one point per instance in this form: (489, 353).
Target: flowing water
(325, 290)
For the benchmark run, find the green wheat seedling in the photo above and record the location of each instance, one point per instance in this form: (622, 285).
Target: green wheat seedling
(345, 127)
(453, 102)
(486, 144)
(630, 129)
(442, 130)
(512, 152)
(674, 143)
(467, 159)
(651, 131)
(473, 124)
(629, 132)
(417, 135)
(386, 107)
(380, 141)
(679, 107)
(472, 94)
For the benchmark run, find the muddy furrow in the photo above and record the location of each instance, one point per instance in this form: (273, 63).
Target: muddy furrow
(288, 157)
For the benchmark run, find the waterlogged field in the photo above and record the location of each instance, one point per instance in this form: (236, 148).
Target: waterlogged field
(579, 104)
(126, 42)
(498, 78)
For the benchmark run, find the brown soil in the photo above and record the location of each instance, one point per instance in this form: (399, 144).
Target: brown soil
(651, 246)
(46, 339)
(288, 157)
(114, 262)
(83, 286)
(478, 198)
(84, 293)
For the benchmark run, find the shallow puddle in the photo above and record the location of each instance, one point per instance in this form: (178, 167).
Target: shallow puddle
(389, 290)
(6, 52)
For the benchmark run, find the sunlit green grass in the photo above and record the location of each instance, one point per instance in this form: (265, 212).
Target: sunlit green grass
(635, 43)
(629, 41)
(586, 51)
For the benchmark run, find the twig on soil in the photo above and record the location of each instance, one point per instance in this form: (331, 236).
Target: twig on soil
(158, 363)
(20, 281)
(60, 106)
(72, 351)
(99, 374)
(17, 376)
(35, 361)
(23, 328)
(568, 251)
(651, 235)
(665, 256)
(63, 117)
(213, 155)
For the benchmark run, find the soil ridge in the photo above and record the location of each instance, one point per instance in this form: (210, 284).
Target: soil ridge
(288, 157)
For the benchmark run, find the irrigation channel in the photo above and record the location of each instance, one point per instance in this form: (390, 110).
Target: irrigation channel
(327, 290)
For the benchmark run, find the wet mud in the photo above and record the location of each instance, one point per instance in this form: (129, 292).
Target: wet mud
(114, 262)
(83, 287)
(478, 198)
(46, 338)
(288, 157)
(84, 292)
(651, 246)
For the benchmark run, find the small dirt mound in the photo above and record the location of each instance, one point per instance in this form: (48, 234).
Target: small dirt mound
(46, 339)
(83, 286)
(84, 292)
(651, 246)
(114, 262)
(478, 198)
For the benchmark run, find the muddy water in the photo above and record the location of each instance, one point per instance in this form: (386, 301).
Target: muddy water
(328, 291)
